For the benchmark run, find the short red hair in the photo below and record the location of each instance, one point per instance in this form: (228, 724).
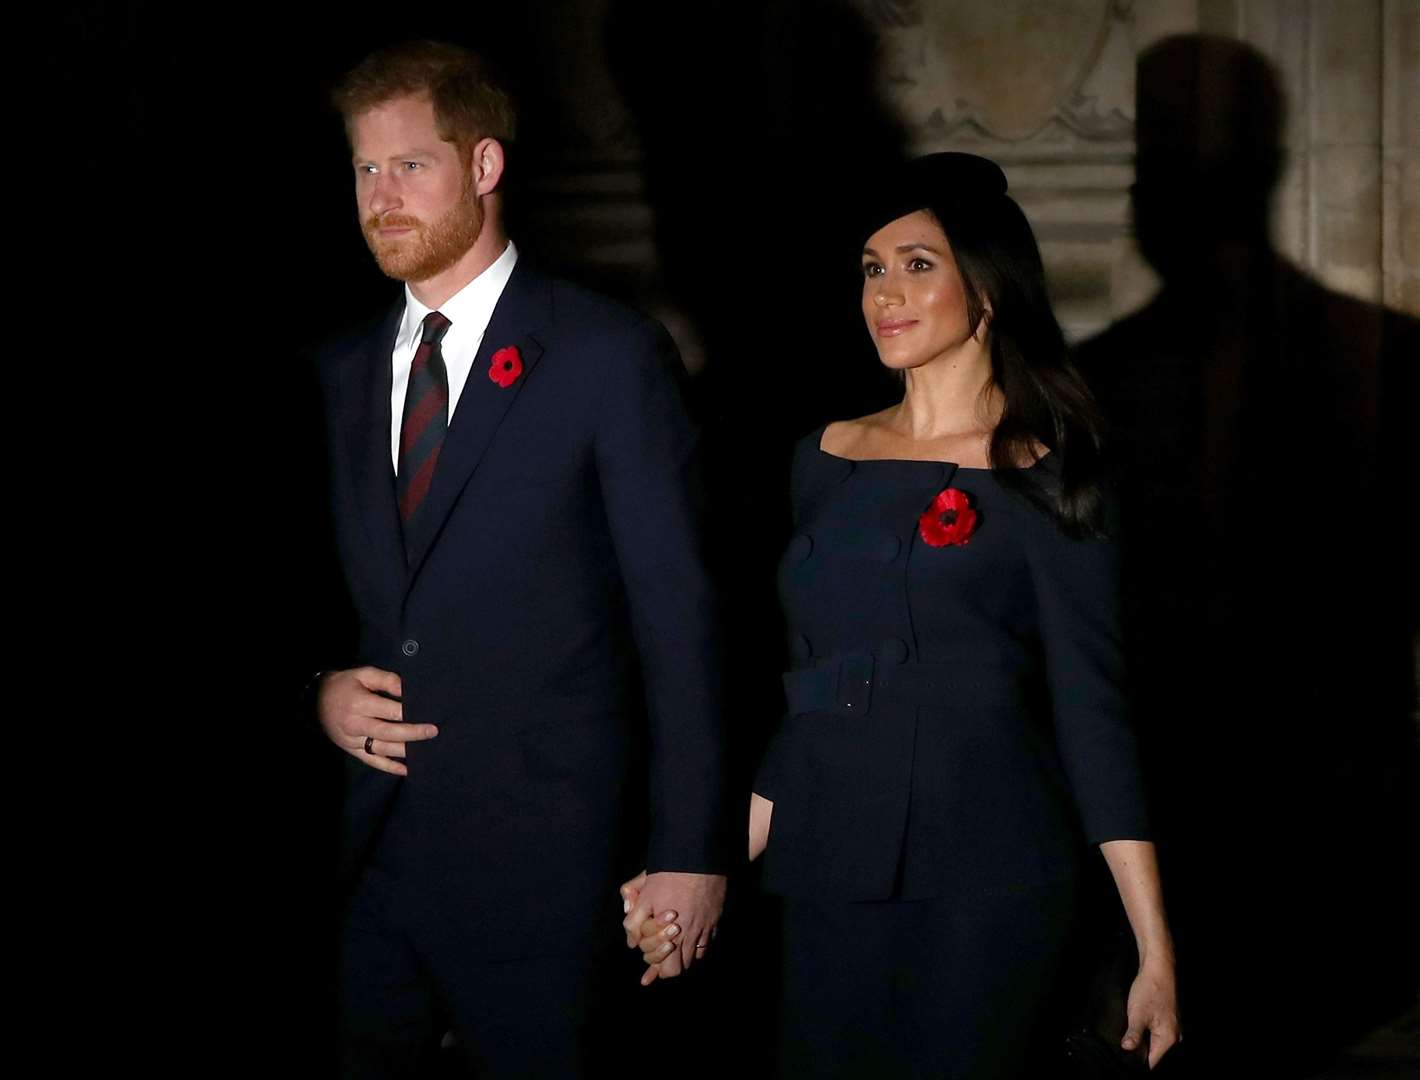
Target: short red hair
(469, 101)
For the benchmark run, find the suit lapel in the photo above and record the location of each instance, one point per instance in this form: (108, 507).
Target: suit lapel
(365, 390)
(523, 307)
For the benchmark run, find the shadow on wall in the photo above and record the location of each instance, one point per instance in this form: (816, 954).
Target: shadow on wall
(1271, 585)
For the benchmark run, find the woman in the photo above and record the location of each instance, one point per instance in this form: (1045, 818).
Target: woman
(957, 731)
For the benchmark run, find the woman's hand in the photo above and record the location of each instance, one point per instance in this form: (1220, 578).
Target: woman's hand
(657, 936)
(761, 812)
(1153, 1009)
(1153, 999)
(659, 940)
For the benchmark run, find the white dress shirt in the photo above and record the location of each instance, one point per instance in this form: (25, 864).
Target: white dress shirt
(468, 312)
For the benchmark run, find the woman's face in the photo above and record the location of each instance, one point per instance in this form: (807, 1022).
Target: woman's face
(913, 299)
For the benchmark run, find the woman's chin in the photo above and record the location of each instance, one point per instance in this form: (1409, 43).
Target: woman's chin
(897, 363)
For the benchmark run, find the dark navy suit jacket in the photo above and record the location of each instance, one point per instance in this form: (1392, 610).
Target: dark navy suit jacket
(552, 599)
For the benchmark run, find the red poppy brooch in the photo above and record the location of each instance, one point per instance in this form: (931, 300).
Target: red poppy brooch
(506, 366)
(949, 521)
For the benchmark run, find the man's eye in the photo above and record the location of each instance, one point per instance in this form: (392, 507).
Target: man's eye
(410, 166)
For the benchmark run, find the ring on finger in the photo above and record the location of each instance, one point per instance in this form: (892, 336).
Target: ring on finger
(369, 744)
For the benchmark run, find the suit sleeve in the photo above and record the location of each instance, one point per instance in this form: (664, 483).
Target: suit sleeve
(648, 464)
(768, 778)
(1077, 592)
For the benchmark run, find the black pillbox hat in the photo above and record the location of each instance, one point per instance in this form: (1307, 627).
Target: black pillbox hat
(948, 179)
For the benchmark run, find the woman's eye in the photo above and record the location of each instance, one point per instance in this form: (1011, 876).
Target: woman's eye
(919, 264)
(871, 269)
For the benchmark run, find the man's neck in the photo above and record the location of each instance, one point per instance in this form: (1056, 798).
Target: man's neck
(434, 292)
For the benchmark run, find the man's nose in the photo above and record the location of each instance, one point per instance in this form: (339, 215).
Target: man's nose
(384, 195)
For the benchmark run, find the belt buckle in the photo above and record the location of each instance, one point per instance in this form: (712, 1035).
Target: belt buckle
(855, 685)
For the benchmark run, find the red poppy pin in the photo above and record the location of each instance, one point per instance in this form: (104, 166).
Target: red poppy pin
(506, 366)
(949, 521)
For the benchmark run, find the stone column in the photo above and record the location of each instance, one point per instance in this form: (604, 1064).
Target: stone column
(1400, 154)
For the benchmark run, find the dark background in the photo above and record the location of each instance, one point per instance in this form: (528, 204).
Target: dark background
(218, 231)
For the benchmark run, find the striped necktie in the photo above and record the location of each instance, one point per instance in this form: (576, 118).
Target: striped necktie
(426, 417)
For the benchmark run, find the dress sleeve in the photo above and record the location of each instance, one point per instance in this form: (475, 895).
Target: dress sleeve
(1077, 594)
(767, 778)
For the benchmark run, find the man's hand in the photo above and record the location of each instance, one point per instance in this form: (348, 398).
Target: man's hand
(352, 708)
(692, 902)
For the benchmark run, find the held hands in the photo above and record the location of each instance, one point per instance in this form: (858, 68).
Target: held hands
(659, 935)
(689, 908)
(1153, 1010)
(359, 710)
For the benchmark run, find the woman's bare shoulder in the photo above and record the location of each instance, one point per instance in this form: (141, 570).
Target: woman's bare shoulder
(843, 438)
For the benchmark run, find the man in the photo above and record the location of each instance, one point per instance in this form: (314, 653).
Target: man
(513, 497)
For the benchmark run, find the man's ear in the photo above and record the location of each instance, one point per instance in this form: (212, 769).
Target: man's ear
(485, 166)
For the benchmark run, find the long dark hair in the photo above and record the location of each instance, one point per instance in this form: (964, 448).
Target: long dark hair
(1046, 400)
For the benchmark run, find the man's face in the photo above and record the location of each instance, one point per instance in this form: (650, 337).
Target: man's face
(416, 205)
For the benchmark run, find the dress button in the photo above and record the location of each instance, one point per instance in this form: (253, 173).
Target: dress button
(889, 548)
(801, 547)
(893, 650)
(410, 647)
(801, 648)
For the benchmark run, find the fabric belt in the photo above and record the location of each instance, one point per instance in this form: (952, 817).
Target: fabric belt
(849, 686)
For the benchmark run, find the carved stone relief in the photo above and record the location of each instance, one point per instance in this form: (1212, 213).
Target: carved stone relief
(1008, 71)
(1045, 87)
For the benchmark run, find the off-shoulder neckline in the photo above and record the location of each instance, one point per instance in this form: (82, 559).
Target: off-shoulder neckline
(922, 461)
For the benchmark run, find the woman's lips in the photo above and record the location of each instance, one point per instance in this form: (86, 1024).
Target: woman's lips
(893, 327)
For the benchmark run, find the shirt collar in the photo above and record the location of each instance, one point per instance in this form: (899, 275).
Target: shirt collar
(469, 310)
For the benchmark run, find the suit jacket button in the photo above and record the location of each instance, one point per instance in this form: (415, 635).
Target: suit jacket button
(410, 647)
(801, 547)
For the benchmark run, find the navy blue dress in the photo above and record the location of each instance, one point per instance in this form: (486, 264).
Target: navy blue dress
(956, 740)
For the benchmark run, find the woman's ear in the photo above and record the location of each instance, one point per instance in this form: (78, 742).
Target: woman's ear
(983, 325)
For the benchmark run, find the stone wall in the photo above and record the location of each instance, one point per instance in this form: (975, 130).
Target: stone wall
(1046, 87)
